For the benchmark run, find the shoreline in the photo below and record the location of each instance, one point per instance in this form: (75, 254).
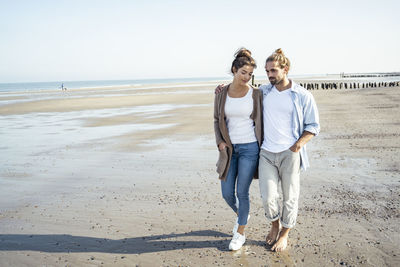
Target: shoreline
(174, 82)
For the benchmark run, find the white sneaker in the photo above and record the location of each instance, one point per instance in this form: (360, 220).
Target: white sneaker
(237, 241)
(236, 226)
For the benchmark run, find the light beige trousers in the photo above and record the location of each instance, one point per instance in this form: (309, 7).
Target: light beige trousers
(283, 167)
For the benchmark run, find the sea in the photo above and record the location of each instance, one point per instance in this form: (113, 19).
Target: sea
(57, 85)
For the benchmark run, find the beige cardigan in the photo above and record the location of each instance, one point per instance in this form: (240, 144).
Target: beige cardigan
(221, 130)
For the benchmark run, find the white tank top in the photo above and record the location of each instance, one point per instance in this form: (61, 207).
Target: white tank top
(278, 115)
(237, 113)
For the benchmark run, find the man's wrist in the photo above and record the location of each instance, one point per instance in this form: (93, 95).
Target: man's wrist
(296, 147)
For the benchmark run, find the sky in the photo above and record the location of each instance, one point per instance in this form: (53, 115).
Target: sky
(121, 39)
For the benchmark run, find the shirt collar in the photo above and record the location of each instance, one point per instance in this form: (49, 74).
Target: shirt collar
(294, 88)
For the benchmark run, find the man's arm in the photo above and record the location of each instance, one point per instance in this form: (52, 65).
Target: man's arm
(304, 138)
(310, 115)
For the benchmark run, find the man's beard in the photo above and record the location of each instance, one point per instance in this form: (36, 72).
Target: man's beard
(275, 81)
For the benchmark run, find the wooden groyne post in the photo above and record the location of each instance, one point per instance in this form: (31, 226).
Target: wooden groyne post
(347, 85)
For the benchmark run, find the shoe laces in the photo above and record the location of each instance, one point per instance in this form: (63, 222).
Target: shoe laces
(236, 236)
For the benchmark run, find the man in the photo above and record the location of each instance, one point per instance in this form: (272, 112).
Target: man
(291, 119)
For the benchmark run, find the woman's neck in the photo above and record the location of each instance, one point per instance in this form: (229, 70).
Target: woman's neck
(238, 87)
(236, 90)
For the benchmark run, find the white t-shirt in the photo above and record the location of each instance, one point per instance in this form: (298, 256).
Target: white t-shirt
(278, 110)
(237, 113)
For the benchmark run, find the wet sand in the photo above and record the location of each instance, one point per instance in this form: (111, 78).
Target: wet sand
(127, 177)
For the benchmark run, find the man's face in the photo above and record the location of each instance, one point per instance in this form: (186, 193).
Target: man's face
(274, 72)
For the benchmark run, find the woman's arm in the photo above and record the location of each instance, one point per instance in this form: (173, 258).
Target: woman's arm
(218, 136)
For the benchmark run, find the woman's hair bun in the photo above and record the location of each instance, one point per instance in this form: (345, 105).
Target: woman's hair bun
(242, 58)
(243, 52)
(279, 51)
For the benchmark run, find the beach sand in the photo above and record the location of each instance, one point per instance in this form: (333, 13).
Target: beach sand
(126, 177)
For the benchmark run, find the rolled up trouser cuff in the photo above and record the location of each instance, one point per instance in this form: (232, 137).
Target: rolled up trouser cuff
(287, 225)
(273, 218)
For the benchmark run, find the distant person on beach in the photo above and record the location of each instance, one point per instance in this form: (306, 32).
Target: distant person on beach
(62, 87)
(238, 133)
(290, 119)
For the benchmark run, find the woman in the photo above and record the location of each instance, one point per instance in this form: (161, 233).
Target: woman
(238, 133)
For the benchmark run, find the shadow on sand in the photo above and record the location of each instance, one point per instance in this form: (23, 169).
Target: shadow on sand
(135, 245)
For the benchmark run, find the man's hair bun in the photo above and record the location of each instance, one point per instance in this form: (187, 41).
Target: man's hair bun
(279, 51)
(279, 57)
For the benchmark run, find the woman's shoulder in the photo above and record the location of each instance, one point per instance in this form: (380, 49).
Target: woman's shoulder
(222, 92)
(258, 94)
(256, 90)
(225, 87)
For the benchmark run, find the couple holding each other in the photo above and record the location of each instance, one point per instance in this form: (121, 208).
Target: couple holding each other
(261, 133)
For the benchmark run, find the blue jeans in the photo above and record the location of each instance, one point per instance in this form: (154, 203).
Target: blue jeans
(242, 168)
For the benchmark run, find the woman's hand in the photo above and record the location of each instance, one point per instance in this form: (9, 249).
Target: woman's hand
(222, 145)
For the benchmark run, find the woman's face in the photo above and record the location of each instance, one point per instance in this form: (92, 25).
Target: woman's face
(243, 75)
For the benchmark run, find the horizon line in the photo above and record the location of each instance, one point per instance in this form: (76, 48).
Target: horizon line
(201, 77)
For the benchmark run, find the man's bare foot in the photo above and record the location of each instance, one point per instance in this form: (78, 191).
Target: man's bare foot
(273, 233)
(282, 241)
